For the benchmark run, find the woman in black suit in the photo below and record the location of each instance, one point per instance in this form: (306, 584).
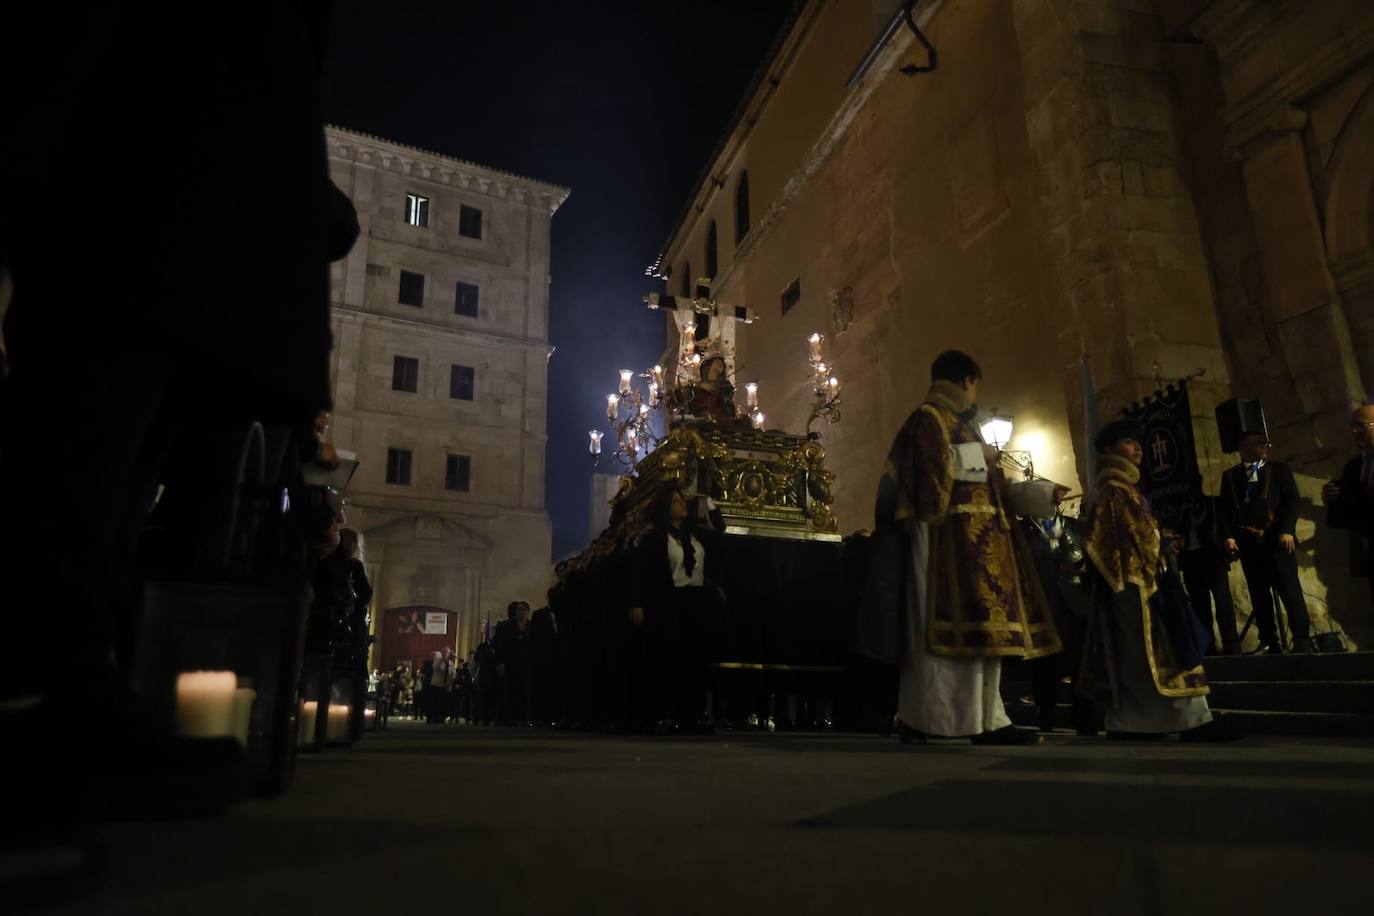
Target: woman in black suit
(673, 599)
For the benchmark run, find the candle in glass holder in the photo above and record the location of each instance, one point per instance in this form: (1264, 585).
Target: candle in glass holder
(815, 341)
(757, 419)
(594, 446)
(309, 712)
(658, 375)
(695, 362)
(339, 727)
(751, 394)
(205, 703)
(631, 440)
(625, 376)
(832, 387)
(653, 388)
(689, 340)
(643, 410)
(243, 713)
(612, 405)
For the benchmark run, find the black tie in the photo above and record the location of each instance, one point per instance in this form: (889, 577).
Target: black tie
(689, 554)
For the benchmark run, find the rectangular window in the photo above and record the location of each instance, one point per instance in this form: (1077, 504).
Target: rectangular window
(461, 381)
(398, 466)
(405, 374)
(458, 473)
(465, 300)
(470, 222)
(792, 295)
(417, 210)
(412, 290)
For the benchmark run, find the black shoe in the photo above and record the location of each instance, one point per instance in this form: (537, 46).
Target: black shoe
(1135, 736)
(1273, 648)
(908, 735)
(1007, 735)
(1046, 721)
(1304, 645)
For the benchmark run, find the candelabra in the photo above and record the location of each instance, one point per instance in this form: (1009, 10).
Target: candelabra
(825, 386)
(629, 412)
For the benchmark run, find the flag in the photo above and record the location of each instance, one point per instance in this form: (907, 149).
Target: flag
(1091, 424)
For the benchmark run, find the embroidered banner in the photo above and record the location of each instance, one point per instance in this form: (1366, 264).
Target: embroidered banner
(1169, 475)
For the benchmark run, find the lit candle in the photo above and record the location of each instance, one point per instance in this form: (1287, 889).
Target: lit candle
(612, 405)
(658, 375)
(822, 369)
(643, 410)
(689, 341)
(243, 713)
(695, 360)
(339, 727)
(653, 388)
(631, 441)
(815, 341)
(833, 387)
(757, 419)
(594, 446)
(309, 712)
(205, 703)
(625, 376)
(751, 394)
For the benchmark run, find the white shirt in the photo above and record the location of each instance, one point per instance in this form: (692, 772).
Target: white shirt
(676, 560)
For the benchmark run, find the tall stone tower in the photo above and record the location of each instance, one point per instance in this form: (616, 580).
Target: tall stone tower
(440, 318)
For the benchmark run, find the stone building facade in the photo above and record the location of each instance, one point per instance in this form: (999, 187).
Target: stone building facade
(1163, 185)
(440, 319)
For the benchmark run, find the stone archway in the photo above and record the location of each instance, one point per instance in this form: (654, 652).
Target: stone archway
(1349, 230)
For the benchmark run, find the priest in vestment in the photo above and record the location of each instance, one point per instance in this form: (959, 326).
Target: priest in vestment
(972, 595)
(1142, 659)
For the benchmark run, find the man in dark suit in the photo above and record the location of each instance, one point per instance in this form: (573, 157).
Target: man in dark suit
(1205, 563)
(1259, 505)
(545, 700)
(1350, 500)
(512, 644)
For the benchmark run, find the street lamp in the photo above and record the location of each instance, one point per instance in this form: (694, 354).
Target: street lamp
(996, 430)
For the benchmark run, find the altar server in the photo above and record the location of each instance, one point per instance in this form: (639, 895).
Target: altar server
(971, 593)
(1144, 648)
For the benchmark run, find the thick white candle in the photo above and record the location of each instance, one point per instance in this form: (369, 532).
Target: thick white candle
(205, 703)
(309, 711)
(243, 713)
(339, 727)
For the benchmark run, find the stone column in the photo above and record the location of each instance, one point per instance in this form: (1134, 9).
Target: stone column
(1132, 286)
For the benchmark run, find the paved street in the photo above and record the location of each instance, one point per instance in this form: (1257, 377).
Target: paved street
(495, 821)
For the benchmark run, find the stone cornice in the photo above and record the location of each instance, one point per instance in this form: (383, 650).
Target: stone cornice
(819, 153)
(1237, 29)
(365, 149)
(357, 315)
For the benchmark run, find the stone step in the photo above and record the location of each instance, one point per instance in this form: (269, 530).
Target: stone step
(1336, 666)
(1340, 697)
(1239, 721)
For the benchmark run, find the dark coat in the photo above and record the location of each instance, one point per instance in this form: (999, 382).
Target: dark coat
(543, 637)
(1274, 509)
(1353, 511)
(650, 576)
(511, 647)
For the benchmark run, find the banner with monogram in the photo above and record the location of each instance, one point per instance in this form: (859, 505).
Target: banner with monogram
(1169, 475)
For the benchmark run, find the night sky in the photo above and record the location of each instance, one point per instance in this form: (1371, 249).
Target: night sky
(620, 101)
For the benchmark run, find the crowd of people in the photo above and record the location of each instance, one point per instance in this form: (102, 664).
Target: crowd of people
(569, 664)
(1112, 600)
